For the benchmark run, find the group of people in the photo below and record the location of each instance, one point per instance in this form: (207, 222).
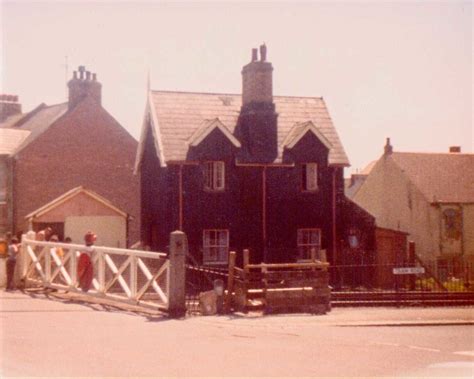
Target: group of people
(84, 270)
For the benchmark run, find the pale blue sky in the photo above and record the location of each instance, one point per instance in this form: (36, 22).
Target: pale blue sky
(401, 69)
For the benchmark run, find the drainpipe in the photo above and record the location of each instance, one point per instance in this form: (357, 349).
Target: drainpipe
(180, 206)
(264, 212)
(334, 239)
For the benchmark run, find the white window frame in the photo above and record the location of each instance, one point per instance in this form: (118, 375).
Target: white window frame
(214, 175)
(310, 177)
(305, 242)
(215, 246)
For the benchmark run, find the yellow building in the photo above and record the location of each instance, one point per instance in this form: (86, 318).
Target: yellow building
(431, 197)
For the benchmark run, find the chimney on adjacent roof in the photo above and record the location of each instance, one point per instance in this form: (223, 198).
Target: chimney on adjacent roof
(82, 87)
(455, 149)
(388, 149)
(9, 106)
(257, 123)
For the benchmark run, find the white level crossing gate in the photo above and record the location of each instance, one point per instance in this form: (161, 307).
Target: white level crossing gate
(131, 276)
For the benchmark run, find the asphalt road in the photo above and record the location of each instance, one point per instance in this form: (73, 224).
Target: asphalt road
(49, 338)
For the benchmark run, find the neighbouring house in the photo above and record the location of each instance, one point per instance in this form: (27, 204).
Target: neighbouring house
(430, 196)
(73, 144)
(252, 171)
(356, 180)
(10, 140)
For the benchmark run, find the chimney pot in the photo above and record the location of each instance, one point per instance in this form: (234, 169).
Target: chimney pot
(263, 52)
(455, 149)
(94, 77)
(74, 75)
(254, 55)
(88, 75)
(388, 148)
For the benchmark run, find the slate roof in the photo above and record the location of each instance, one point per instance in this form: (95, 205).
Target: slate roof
(177, 115)
(11, 139)
(441, 177)
(39, 120)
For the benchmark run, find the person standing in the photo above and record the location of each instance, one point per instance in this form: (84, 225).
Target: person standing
(11, 262)
(85, 269)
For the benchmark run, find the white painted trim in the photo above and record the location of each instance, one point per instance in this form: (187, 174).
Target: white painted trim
(203, 132)
(156, 131)
(69, 195)
(149, 120)
(308, 127)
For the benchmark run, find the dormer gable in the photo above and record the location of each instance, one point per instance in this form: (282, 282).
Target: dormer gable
(300, 130)
(205, 130)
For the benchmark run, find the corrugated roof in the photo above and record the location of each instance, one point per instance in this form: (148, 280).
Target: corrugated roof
(41, 120)
(11, 139)
(441, 177)
(180, 114)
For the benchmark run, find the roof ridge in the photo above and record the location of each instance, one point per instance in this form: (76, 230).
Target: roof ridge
(431, 153)
(233, 94)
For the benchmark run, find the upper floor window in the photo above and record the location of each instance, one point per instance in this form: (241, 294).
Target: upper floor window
(307, 240)
(310, 176)
(215, 246)
(214, 176)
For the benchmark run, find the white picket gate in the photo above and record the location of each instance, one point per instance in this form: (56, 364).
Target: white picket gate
(131, 276)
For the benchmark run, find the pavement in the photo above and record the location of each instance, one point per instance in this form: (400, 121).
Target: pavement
(356, 316)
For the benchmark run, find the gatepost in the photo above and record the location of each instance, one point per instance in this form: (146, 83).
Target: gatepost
(177, 280)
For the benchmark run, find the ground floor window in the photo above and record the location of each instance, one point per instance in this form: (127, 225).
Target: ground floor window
(215, 246)
(307, 239)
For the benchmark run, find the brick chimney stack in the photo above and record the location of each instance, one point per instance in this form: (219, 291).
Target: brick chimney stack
(257, 124)
(257, 84)
(9, 106)
(84, 86)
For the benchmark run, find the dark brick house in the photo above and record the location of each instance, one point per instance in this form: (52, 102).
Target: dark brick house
(74, 144)
(243, 171)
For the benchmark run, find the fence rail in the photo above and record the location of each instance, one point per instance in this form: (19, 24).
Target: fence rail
(130, 276)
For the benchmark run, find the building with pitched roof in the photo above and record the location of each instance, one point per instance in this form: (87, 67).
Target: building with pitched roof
(430, 196)
(244, 171)
(68, 145)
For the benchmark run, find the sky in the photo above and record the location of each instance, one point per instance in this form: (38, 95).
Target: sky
(385, 69)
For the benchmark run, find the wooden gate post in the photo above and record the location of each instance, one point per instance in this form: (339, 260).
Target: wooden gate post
(177, 274)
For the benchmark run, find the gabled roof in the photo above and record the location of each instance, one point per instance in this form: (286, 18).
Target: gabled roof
(441, 177)
(177, 116)
(11, 139)
(299, 131)
(68, 196)
(39, 120)
(207, 127)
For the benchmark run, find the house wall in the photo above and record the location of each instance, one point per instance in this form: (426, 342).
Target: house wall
(397, 204)
(239, 207)
(110, 230)
(468, 233)
(85, 147)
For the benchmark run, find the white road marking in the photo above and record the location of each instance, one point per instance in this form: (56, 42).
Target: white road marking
(387, 343)
(469, 353)
(423, 348)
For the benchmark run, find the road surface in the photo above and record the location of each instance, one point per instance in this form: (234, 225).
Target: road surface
(42, 337)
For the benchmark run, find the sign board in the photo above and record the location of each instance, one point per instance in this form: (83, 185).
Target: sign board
(408, 270)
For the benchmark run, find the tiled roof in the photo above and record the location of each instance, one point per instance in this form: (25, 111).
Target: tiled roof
(10, 139)
(10, 121)
(180, 114)
(40, 120)
(441, 177)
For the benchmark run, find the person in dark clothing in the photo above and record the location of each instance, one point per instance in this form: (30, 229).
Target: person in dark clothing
(11, 262)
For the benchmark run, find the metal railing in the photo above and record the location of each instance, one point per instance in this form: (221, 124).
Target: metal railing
(131, 276)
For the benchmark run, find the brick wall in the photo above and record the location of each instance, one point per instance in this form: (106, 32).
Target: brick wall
(86, 147)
